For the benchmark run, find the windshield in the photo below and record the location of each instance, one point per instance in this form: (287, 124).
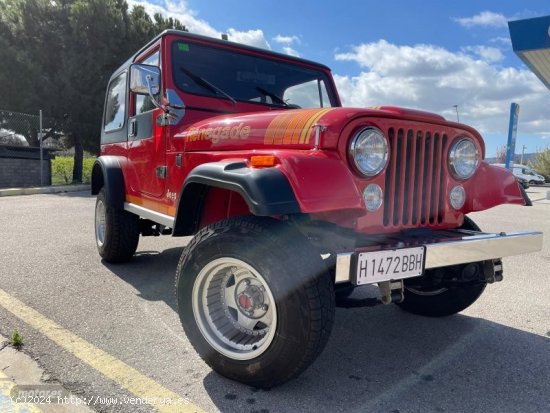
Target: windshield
(209, 71)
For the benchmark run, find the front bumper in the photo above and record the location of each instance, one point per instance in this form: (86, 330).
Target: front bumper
(444, 248)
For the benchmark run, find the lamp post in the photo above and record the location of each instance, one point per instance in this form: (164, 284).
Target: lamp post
(522, 152)
(457, 118)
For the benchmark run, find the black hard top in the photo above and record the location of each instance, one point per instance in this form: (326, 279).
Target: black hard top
(216, 41)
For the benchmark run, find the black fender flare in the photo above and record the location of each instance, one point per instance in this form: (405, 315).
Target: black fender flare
(266, 191)
(107, 173)
(526, 198)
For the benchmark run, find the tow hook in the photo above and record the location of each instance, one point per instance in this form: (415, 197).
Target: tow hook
(385, 292)
(492, 270)
(391, 291)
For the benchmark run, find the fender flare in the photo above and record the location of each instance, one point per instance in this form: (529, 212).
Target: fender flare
(107, 173)
(266, 191)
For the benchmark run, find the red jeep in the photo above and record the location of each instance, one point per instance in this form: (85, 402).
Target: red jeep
(292, 200)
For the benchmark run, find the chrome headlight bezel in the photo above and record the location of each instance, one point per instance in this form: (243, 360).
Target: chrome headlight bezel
(373, 197)
(456, 155)
(357, 143)
(457, 197)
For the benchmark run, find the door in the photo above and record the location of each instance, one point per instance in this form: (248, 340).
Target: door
(147, 140)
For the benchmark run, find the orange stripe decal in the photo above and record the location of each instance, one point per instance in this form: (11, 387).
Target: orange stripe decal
(152, 205)
(295, 124)
(306, 130)
(293, 127)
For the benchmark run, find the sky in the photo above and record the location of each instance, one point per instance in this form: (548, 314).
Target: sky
(429, 55)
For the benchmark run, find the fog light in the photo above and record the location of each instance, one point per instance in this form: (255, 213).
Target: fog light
(457, 197)
(372, 195)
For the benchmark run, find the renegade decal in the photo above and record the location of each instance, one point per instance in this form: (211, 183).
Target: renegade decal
(240, 131)
(293, 127)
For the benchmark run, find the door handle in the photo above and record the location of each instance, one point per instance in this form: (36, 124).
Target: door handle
(132, 129)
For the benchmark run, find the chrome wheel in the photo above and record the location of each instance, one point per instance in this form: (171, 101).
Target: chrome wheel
(100, 222)
(234, 308)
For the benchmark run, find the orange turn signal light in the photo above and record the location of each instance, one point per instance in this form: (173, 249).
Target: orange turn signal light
(262, 161)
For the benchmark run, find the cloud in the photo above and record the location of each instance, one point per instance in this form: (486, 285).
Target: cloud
(250, 37)
(286, 40)
(506, 41)
(488, 54)
(433, 78)
(483, 19)
(178, 9)
(290, 51)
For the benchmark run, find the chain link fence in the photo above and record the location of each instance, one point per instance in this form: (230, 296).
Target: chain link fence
(22, 129)
(22, 162)
(21, 154)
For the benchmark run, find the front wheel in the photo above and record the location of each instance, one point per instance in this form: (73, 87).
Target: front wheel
(255, 300)
(435, 295)
(434, 300)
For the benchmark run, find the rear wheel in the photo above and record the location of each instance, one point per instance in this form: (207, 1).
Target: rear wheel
(116, 231)
(436, 295)
(255, 300)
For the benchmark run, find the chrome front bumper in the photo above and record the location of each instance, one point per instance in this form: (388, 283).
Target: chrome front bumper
(454, 247)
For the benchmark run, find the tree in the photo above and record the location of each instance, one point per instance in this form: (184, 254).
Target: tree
(59, 54)
(541, 163)
(501, 153)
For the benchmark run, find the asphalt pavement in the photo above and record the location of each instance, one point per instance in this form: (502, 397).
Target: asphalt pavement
(493, 357)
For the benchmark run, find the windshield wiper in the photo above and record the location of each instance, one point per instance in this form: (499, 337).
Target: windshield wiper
(273, 96)
(206, 84)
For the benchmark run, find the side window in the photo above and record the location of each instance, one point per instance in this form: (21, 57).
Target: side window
(115, 106)
(143, 102)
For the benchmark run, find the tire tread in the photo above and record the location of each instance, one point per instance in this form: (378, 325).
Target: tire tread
(319, 305)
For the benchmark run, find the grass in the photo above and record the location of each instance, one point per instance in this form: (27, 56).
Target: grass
(16, 340)
(62, 170)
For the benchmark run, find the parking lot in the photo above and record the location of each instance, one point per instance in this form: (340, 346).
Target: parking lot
(493, 357)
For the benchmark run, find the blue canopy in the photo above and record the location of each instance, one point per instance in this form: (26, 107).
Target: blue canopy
(531, 42)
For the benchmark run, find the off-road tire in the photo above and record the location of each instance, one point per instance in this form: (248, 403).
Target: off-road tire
(294, 274)
(119, 240)
(449, 300)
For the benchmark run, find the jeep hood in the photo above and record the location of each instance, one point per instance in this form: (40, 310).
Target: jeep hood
(292, 128)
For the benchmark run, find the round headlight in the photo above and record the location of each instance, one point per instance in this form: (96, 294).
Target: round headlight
(463, 158)
(457, 197)
(369, 151)
(372, 195)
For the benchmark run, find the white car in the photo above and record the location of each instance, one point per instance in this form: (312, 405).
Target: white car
(524, 172)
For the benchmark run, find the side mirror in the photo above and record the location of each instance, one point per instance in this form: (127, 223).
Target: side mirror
(145, 79)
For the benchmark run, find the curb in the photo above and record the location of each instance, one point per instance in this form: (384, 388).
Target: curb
(44, 190)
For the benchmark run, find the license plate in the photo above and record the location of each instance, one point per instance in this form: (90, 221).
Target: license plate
(377, 266)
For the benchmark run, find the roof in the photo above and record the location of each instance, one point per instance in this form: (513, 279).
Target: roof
(219, 42)
(531, 42)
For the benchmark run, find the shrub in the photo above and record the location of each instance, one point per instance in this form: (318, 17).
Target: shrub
(62, 170)
(16, 340)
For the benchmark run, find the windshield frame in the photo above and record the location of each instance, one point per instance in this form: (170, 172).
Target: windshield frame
(321, 74)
